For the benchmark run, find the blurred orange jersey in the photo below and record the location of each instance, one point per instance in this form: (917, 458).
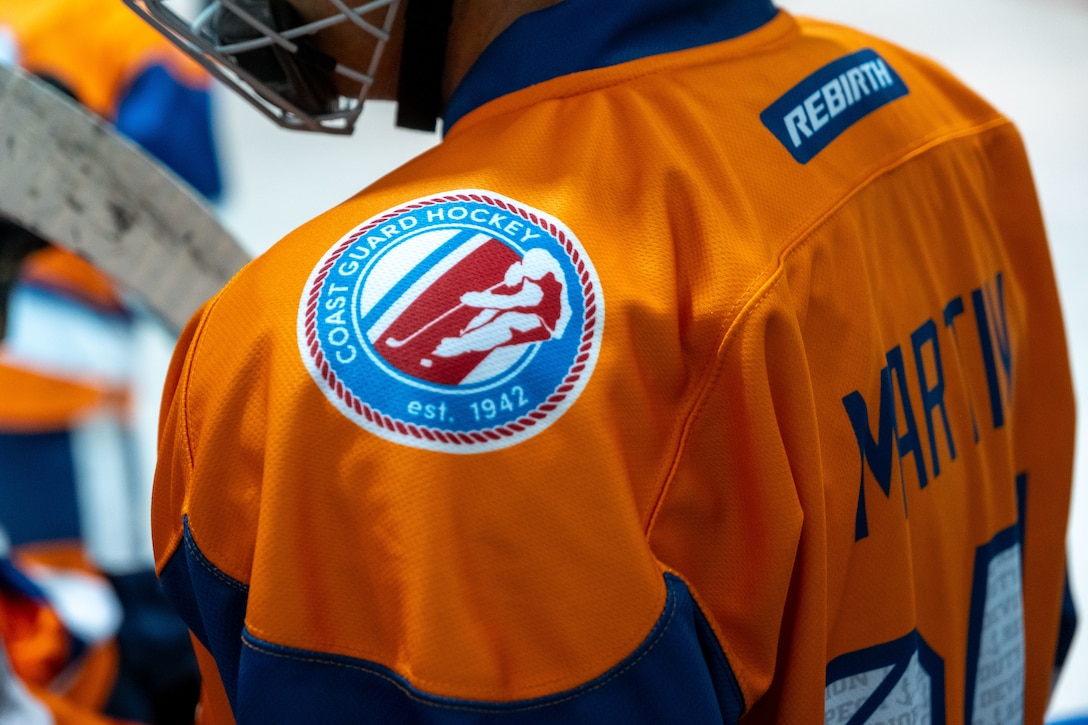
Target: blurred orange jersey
(52, 668)
(101, 53)
(680, 383)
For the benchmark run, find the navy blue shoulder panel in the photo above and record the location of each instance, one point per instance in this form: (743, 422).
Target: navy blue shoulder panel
(678, 674)
(579, 35)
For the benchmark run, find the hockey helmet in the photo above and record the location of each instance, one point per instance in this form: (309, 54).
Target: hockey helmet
(266, 52)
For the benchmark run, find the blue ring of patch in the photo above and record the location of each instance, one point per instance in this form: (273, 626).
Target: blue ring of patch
(335, 328)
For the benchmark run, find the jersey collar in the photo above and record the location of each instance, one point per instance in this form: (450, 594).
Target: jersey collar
(578, 35)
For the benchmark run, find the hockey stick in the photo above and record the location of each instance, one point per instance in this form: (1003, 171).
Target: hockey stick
(393, 342)
(67, 176)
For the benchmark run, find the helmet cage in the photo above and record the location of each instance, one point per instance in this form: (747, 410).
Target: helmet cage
(295, 56)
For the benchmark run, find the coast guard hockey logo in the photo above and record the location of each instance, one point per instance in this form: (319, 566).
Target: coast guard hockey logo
(463, 322)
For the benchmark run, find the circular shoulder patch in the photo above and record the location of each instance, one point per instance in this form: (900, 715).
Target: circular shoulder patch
(462, 322)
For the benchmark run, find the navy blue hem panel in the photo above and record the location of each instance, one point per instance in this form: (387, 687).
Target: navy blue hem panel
(580, 35)
(211, 603)
(679, 674)
(38, 497)
(173, 122)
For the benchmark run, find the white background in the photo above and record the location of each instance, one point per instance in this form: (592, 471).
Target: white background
(1029, 57)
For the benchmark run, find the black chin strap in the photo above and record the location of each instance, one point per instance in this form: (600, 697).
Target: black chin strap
(422, 61)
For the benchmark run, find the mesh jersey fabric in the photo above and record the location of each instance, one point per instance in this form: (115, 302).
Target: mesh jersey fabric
(832, 408)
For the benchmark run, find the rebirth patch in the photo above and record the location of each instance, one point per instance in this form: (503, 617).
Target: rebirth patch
(462, 322)
(823, 106)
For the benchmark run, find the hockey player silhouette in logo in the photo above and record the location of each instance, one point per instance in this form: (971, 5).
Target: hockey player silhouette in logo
(529, 306)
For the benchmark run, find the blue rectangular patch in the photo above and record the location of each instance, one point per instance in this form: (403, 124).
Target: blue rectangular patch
(818, 109)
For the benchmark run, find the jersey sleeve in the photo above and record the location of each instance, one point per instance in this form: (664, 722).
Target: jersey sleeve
(212, 613)
(745, 494)
(327, 571)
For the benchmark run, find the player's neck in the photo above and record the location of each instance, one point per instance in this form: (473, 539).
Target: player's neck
(475, 24)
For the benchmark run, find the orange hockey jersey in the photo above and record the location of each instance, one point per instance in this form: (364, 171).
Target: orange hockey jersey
(712, 367)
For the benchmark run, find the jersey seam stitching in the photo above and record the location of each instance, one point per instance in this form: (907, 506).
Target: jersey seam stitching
(412, 696)
(768, 278)
(804, 232)
(763, 283)
(192, 548)
(184, 383)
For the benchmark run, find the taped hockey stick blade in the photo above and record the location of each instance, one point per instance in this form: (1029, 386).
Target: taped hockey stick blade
(66, 175)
